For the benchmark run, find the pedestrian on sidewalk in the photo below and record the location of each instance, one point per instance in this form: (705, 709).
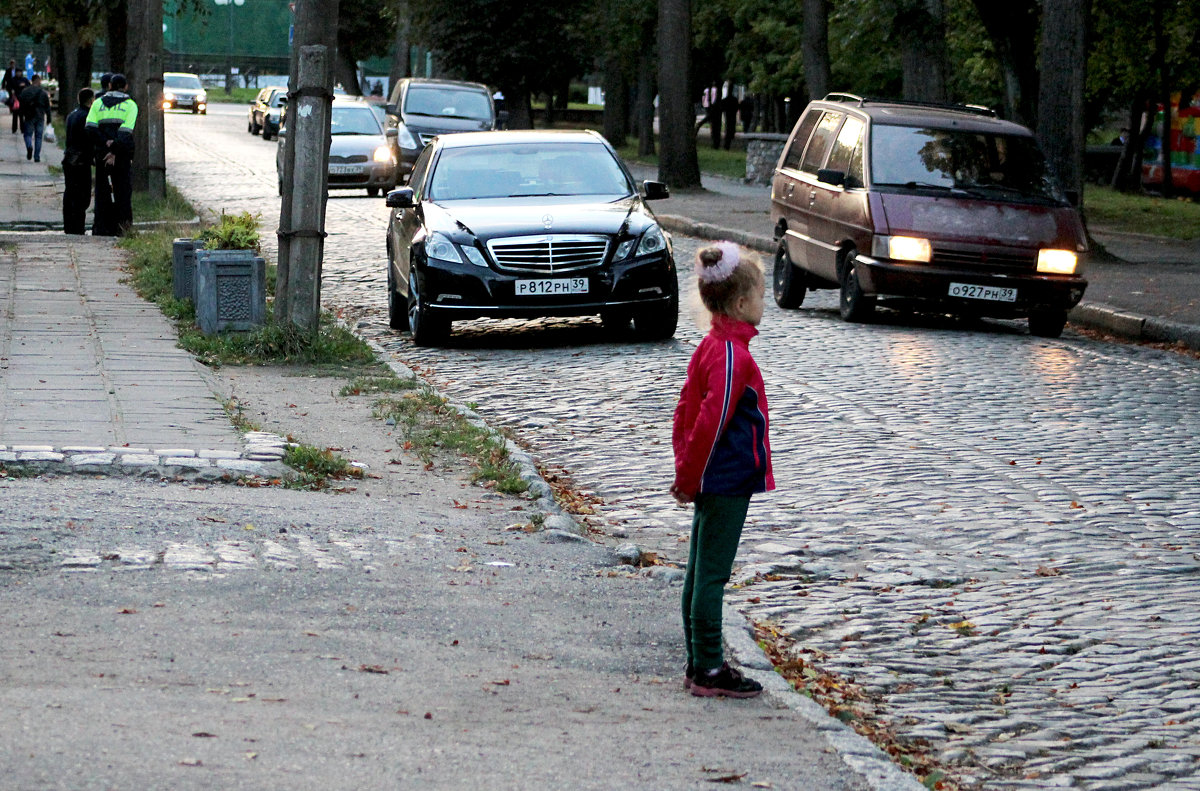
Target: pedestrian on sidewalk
(35, 114)
(722, 457)
(77, 166)
(7, 86)
(729, 106)
(19, 83)
(110, 123)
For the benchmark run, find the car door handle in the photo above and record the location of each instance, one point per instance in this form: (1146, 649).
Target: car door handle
(812, 197)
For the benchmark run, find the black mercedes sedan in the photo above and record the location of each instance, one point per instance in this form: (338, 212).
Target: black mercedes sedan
(523, 225)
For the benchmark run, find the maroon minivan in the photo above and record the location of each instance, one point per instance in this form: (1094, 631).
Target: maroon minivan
(945, 206)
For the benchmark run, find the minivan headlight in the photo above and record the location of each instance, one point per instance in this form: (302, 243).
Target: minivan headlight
(1057, 262)
(902, 248)
(439, 246)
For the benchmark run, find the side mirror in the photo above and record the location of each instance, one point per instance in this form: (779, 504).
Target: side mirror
(655, 190)
(1073, 197)
(390, 109)
(400, 198)
(283, 101)
(835, 177)
(392, 132)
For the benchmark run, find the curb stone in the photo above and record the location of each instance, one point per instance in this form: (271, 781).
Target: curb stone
(1088, 314)
(863, 758)
(260, 457)
(878, 770)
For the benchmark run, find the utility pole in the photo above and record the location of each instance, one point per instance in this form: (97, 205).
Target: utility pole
(298, 274)
(144, 61)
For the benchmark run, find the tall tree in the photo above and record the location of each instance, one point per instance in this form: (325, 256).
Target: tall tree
(921, 25)
(1060, 126)
(401, 44)
(815, 46)
(1012, 27)
(678, 164)
(522, 47)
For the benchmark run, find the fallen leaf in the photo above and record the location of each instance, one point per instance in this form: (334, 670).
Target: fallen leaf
(1043, 571)
(126, 611)
(429, 715)
(373, 669)
(204, 735)
(191, 762)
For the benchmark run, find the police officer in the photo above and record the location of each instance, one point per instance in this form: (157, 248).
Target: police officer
(110, 123)
(77, 166)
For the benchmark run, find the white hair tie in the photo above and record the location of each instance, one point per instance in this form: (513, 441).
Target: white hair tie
(723, 268)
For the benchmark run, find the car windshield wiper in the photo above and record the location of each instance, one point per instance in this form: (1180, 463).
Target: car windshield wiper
(349, 133)
(459, 117)
(540, 195)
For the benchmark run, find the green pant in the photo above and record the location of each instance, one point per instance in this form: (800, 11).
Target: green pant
(716, 529)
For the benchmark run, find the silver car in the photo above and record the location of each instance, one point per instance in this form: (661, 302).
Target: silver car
(360, 151)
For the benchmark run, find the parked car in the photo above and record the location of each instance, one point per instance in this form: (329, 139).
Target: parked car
(420, 109)
(265, 110)
(184, 92)
(944, 206)
(527, 224)
(360, 152)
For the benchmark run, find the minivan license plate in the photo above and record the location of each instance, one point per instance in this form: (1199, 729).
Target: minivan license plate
(993, 293)
(549, 287)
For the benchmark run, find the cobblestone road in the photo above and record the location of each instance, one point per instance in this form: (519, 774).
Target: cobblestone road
(996, 534)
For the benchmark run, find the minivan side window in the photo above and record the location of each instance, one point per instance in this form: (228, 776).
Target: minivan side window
(847, 152)
(803, 131)
(818, 147)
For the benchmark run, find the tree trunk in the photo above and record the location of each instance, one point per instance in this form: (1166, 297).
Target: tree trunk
(814, 46)
(1012, 27)
(678, 165)
(922, 27)
(401, 58)
(137, 64)
(647, 90)
(117, 28)
(1060, 99)
(66, 60)
(345, 72)
(516, 101)
(316, 24)
(616, 100)
(1128, 175)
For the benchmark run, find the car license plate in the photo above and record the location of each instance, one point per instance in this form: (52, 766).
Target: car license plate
(345, 170)
(549, 287)
(993, 293)
(184, 100)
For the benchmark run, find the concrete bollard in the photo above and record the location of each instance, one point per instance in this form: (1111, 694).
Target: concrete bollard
(183, 267)
(231, 290)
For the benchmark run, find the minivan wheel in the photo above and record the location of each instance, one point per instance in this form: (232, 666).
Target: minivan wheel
(788, 284)
(1047, 323)
(854, 305)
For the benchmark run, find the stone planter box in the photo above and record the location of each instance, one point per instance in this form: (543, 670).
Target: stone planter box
(762, 154)
(231, 290)
(183, 267)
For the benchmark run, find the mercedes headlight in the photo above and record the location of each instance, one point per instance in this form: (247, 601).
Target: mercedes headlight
(653, 241)
(474, 256)
(439, 246)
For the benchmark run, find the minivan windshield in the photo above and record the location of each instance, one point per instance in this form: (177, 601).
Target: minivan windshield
(447, 103)
(979, 164)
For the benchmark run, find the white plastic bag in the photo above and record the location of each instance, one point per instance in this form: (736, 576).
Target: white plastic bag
(49, 135)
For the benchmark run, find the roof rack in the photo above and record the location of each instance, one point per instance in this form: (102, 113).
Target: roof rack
(975, 109)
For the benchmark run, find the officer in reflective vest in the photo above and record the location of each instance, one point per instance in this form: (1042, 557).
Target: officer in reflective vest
(110, 124)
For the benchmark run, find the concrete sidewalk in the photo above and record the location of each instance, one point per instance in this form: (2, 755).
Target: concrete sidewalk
(1139, 287)
(91, 377)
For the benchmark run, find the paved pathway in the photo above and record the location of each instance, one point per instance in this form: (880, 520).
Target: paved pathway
(994, 534)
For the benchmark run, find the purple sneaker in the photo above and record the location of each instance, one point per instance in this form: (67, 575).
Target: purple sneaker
(726, 682)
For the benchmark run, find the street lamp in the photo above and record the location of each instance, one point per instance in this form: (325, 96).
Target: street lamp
(229, 48)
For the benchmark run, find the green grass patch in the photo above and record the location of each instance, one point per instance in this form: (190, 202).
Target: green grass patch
(174, 208)
(713, 161)
(432, 429)
(217, 95)
(1176, 218)
(371, 385)
(316, 467)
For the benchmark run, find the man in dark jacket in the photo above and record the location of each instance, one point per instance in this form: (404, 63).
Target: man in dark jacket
(19, 83)
(110, 123)
(77, 166)
(7, 86)
(35, 114)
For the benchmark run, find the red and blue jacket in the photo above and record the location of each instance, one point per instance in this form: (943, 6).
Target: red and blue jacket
(720, 432)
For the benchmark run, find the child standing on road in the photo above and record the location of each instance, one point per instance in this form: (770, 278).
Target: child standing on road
(722, 456)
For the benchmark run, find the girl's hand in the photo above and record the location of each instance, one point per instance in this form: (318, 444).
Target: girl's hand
(680, 497)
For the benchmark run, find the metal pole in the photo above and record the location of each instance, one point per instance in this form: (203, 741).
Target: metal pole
(308, 117)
